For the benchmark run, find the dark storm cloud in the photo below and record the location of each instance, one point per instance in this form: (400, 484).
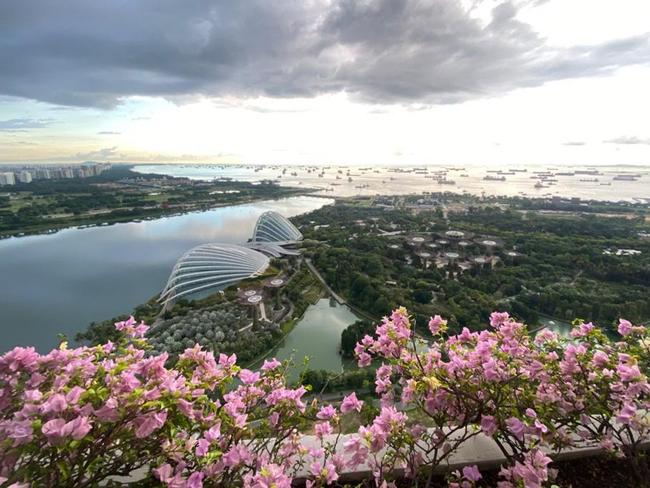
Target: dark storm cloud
(628, 140)
(88, 53)
(23, 125)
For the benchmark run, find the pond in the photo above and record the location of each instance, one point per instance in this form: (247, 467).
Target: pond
(318, 336)
(59, 283)
(555, 325)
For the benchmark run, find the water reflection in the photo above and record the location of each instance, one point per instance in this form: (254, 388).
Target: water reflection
(318, 336)
(61, 282)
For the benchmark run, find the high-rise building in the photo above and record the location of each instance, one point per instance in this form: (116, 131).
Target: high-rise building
(7, 179)
(42, 174)
(25, 176)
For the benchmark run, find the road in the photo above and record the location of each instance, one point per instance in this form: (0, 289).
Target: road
(334, 295)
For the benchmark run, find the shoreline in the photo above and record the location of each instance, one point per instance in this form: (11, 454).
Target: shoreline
(376, 182)
(108, 221)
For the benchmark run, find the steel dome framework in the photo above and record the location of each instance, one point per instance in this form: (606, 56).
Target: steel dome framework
(273, 227)
(211, 266)
(221, 265)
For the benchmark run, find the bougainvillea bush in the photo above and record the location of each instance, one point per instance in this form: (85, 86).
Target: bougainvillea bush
(94, 415)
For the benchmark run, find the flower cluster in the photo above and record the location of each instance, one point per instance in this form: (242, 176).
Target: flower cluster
(75, 417)
(81, 417)
(526, 394)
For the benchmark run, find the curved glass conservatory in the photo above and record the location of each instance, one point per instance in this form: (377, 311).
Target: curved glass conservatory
(273, 227)
(211, 266)
(221, 265)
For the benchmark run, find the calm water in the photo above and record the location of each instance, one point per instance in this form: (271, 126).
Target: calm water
(385, 181)
(61, 282)
(318, 335)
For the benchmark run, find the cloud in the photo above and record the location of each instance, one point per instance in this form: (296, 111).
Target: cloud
(628, 140)
(23, 125)
(104, 153)
(108, 133)
(574, 143)
(379, 51)
(20, 143)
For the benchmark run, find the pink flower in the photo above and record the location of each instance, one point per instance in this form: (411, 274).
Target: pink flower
(274, 418)
(20, 431)
(19, 358)
(355, 446)
(600, 359)
(237, 455)
(164, 473)
(350, 403)
(472, 473)
(202, 447)
(227, 361)
(326, 473)
(248, 377)
(516, 426)
(582, 330)
(125, 324)
(108, 412)
(269, 476)
(322, 429)
(626, 414)
(74, 394)
(437, 324)
(533, 472)
(78, 428)
(53, 429)
(55, 404)
(488, 425)
(272, 364)
(147, 424)
(326, 413)
(214, 433)
(628, 373)
(465, 335)
(364, 359)
(33, 395)
(195, 480)
(624, 327)
(499, 318)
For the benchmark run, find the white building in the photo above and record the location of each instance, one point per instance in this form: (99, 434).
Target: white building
(25, 176)
(7, 179)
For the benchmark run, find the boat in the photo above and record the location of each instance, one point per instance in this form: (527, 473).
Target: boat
(494, 178)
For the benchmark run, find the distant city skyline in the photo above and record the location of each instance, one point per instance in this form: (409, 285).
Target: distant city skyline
(382, 82)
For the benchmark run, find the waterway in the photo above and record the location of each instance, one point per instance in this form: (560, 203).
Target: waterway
(317, 336)
(349, 181)
(61, 282)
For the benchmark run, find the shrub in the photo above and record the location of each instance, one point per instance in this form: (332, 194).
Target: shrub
(77, 417)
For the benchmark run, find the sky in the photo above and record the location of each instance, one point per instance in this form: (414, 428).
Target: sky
(370, 82)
